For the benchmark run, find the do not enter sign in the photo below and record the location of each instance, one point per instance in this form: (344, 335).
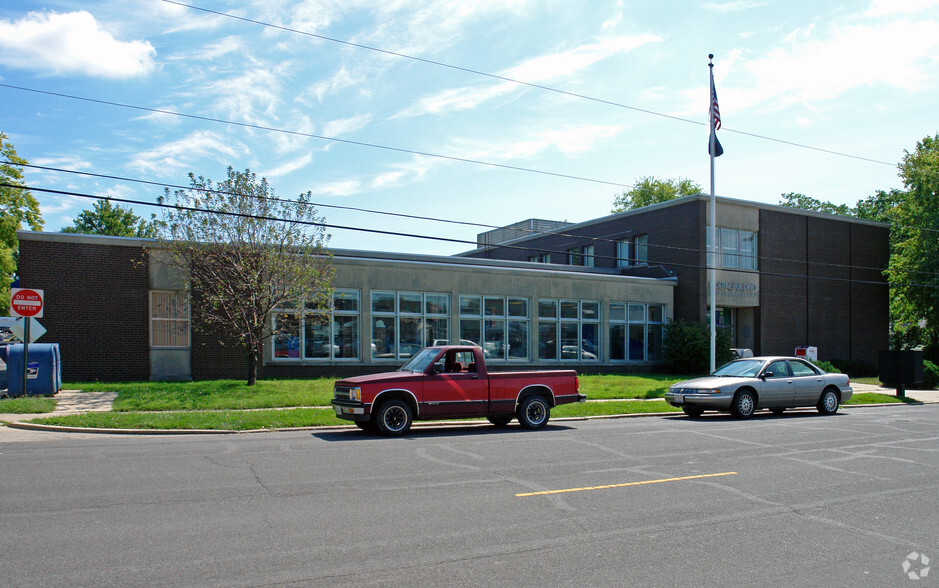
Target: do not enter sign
(26, 302)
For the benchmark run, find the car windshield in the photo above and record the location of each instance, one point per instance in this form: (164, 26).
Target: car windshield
(741, 368)
(420, 361)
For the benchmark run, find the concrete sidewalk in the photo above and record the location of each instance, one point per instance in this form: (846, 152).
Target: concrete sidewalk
(70, 402)
(928, 396)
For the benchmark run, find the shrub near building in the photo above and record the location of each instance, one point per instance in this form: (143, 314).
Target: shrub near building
(687, 347)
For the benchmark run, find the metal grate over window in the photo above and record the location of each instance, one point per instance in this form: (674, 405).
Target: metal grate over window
(169, 319)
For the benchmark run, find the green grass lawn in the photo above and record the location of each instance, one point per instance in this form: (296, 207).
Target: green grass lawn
(224, 404)
(27, 405)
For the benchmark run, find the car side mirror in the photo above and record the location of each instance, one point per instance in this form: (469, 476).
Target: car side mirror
(767, 375)
(437, 368)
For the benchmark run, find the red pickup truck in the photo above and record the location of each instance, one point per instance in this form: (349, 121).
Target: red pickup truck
(451, 381)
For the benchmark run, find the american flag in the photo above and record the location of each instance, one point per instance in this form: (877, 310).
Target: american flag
(715, 111)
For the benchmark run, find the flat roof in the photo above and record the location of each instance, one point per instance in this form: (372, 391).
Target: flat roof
(378, 257)
(684, 200)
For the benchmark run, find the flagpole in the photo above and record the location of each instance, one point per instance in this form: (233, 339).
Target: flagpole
(712, 265)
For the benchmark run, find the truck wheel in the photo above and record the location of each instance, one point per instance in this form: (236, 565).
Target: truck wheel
(393, 418)
(501, 420)
(534, 412)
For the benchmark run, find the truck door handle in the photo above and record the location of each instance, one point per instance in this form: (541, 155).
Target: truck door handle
(474, 377)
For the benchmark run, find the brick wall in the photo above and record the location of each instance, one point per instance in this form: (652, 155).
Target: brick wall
(96, 307)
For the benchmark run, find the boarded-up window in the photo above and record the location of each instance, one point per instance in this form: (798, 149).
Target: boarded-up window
(169, 319)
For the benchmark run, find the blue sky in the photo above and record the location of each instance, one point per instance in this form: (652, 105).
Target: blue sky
(856, 78)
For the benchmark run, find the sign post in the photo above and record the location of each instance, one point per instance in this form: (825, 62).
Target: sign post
(27, 303)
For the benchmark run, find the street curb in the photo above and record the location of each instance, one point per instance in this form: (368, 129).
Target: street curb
(427, 424)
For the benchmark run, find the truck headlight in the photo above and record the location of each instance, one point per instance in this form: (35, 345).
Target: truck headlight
(355, 394)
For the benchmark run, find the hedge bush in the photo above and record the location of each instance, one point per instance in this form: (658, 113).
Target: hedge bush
(827, 366)
(930, 374)
(687, 347)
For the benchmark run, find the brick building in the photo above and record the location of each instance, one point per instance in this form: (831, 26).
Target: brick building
(786, 277)
(594, 296)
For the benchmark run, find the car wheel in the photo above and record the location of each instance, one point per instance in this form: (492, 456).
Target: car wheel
(692, 411)
(828, 402)
(501, 420)
(744, 404)
(777, 411)
(534, 412)
(394, 418)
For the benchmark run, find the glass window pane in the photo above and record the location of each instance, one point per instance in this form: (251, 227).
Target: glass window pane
(437, 303)
(729, 247)
(637, 313)
(410, 303)
(470, 305)
(518, 307)
(570, 309)
(570, 344)
(617, 311)
(494, 335)
(471, 332)
(547, 341)
(437, 332)
(590, 341)
(346, 300)
(656, 334)
(518, 339)
(656, 313)
(548, 309)
(617, 341)
(495, 306)
(637, 342)
(316, 343)
(346, 337)
(286, 336)
(590, 311)
(588, 255)
(383, 337)
(642, 248)
(622, 253)
(383, 302)
(410, 338)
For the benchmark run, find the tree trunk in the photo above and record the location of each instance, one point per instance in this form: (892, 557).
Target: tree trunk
(252, 367)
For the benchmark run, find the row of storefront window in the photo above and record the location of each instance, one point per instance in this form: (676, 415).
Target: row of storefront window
(402, 323)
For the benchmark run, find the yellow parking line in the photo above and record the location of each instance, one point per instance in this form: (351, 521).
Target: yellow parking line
(546, 492)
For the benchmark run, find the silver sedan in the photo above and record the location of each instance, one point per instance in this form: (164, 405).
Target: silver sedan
(777, 383)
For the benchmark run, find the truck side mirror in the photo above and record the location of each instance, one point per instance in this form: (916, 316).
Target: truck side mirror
(437, 368)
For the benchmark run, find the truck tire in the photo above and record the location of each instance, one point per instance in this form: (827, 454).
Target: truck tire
(393, 418)
(534, 413)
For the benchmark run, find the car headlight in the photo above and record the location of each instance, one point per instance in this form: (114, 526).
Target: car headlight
(355, 394)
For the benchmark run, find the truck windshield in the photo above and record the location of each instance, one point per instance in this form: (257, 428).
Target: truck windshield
(421, 361)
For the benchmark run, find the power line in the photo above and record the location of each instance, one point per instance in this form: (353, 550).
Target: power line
(427, 237)
(311, 135)
(534, 233)
(519, 82)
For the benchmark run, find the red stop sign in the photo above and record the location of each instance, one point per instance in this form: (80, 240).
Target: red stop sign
(26, 302)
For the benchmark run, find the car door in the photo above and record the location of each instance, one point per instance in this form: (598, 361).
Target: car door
(458, 390)
(777, 387)
(808, 383)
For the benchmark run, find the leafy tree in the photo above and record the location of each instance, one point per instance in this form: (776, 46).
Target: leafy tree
(651, 190)
(880, 207)
(18, 207)
(803, 202)
(914, 261)
(109, 219)
(247, 253)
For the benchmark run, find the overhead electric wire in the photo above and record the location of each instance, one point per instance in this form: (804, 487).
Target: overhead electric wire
(519, 82)
(434, 238)
(534, 233)
(311, 135)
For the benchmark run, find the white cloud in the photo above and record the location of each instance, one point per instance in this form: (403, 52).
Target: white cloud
(571, 141)
(888, 7)
(537, 70)
(732, 6)
(343, 126)
(290, 166)
(340, 188)
(182, 155)
(71, 43)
